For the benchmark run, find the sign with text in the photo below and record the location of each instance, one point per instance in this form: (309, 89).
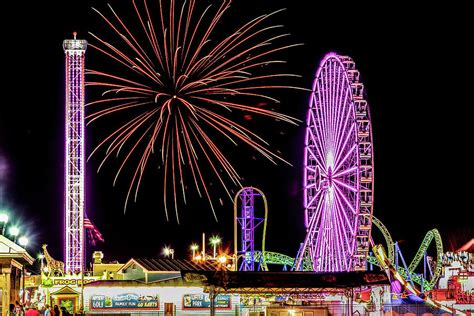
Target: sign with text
(202, 301)
(125, 301)
(61, 281)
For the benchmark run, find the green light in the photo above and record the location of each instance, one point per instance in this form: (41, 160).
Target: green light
(3, 218)
(14, 231)
(23, 241)
(215, 240)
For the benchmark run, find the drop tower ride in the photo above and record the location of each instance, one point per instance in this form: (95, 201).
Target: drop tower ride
(74, 164)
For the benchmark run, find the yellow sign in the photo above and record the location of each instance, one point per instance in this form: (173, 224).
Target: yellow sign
(63, 281)
(32, 281)
(73, 282)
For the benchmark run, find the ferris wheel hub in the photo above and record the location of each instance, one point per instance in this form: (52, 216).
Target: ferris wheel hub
(329, 176)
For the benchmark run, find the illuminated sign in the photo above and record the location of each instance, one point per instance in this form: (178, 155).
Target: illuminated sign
(202, 301)
(71, 281)
(125, 301)
(32, 280)
(48, 282)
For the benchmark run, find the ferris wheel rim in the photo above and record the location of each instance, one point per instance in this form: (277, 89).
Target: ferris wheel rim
(357, 224)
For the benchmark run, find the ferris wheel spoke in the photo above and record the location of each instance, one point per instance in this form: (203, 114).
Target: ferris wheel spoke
(318, 135)
(336, 104)
(319, 96)
(339, 164)
(338, 245)
(316, 213)
(316, 115)
(327, 238)
(344, 133)
(326, 104)
(344, 198)
(343, 91)
(334, 250)
(317, 144)
(319, 241)
(341, 222)
(341, 238)
(314, 198)
(322, 220)
(310, 186)
(310, 169)
(342, 208)
(340, 150)
(344, 172)
(345, 185)
(328, 235)
(323, 168)
(331, 105)
(316, 122)
(343, 118)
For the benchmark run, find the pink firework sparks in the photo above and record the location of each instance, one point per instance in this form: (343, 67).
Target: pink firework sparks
(179, 87)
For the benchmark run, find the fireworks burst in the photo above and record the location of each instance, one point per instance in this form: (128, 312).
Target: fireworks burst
(178, 88)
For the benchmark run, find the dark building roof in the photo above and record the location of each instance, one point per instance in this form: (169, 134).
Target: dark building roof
(162, 264)
(286, 282)
(117, 283)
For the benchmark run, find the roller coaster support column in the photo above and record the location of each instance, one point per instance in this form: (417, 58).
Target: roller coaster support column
(371, 266)
(248, 224)
(429, 268)
(398, 252)
(424, 273)
(396, 255)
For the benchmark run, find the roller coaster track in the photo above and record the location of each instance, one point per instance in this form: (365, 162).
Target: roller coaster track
(281, 259)
(434, 233)
(388, 238)
(439, 255)
(270, 257)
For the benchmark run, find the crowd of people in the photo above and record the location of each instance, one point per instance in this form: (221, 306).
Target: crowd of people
(18, 309)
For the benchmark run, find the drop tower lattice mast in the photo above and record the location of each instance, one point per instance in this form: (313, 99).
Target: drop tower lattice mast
(74, 154)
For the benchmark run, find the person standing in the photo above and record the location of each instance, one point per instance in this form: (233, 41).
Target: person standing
(32, 311)
(64, 311)
(56, 311)
(47, 310)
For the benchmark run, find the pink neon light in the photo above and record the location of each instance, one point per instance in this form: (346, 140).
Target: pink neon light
(74, 155)
(334, 161)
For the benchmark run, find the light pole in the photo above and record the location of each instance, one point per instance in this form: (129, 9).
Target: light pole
(194, 247)
(3, 221)
(215, 240)
(168, 252)
(22, 241)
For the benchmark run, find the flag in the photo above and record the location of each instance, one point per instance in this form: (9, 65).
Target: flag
(92, 232)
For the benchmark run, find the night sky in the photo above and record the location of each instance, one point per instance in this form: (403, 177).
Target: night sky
(414, 65)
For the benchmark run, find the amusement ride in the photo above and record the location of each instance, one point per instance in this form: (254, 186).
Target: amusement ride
(338, 197)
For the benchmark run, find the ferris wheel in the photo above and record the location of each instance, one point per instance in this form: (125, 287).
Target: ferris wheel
(338, 171)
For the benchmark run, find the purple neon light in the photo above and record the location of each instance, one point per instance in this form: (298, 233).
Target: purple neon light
(74, 155)
(248, 223)
(338, 181)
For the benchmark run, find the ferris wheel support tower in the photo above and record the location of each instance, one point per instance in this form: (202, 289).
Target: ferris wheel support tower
(75, 166)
